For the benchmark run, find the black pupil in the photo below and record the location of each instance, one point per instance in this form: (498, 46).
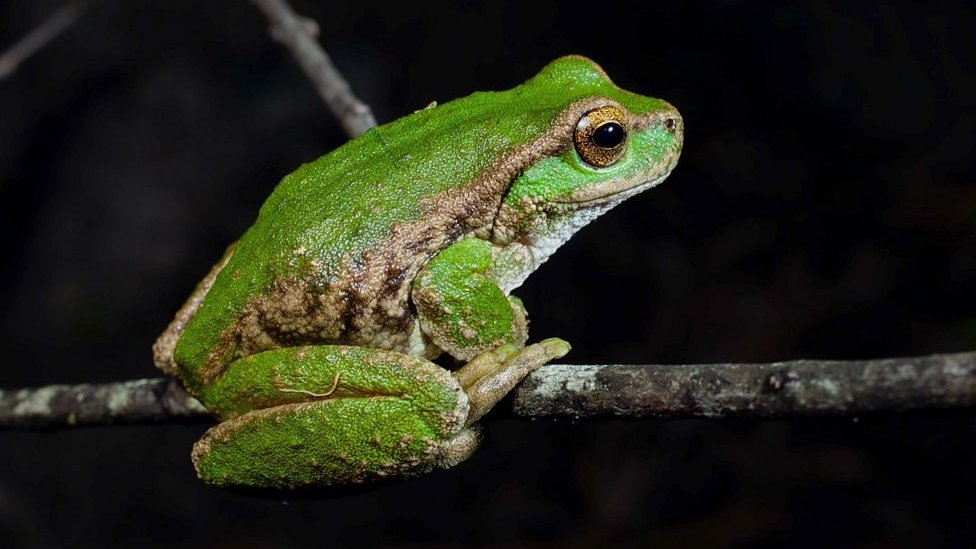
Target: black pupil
(608, 135)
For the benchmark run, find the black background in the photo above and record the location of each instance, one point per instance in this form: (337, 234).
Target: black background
(823, 208)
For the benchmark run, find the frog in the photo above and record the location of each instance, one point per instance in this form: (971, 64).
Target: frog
(364, 324)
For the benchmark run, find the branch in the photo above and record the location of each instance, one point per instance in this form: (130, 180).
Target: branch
(298, 35)
(776, 390)
(779, 389)
(137, 401)
(39, 37)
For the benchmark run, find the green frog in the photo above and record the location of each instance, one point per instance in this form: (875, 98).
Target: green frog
(312, 340)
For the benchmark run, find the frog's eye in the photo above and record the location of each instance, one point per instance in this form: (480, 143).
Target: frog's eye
(601, 136)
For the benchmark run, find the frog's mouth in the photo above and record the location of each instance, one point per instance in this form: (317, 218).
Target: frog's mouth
(610, 192)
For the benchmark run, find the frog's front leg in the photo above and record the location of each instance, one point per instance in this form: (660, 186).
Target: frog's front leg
(327, 415)
(464, 312)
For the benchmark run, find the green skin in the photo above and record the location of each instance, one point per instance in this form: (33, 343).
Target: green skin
(311, 339)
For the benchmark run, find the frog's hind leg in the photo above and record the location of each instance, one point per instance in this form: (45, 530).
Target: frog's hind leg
(326, 415)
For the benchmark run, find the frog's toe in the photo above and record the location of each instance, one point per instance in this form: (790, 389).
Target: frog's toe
(554, 348)
(461, 447)
(492, 374)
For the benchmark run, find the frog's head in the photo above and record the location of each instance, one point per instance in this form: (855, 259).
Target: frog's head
(603, 145)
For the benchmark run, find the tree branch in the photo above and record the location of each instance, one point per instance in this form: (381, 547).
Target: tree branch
(776, 390)
(779, 389)
(137, 401)
(40, 37)
(298, 35)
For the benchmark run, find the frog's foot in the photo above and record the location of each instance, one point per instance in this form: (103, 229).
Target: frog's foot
(488, 377)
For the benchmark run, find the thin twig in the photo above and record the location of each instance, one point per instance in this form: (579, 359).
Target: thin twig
(299, 34)
(41, 36)
(777, 390)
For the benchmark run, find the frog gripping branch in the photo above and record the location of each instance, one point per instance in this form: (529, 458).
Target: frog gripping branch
(312, 339)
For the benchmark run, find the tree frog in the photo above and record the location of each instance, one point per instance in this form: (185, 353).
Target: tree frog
(312, 340)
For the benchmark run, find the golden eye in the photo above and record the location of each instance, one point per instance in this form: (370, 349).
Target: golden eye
(601, 136)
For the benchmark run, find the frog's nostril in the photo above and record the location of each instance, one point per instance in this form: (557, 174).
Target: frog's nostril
(671, 124)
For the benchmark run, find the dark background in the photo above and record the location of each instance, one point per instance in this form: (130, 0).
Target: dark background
(823, 207)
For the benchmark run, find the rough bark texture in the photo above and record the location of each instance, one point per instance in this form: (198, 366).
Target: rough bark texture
(780, 389)
(137, 401)
(777, 390)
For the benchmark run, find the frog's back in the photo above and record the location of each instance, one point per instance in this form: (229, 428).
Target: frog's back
(335, 247)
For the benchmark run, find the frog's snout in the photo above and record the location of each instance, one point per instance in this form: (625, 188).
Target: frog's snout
(673, 123)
